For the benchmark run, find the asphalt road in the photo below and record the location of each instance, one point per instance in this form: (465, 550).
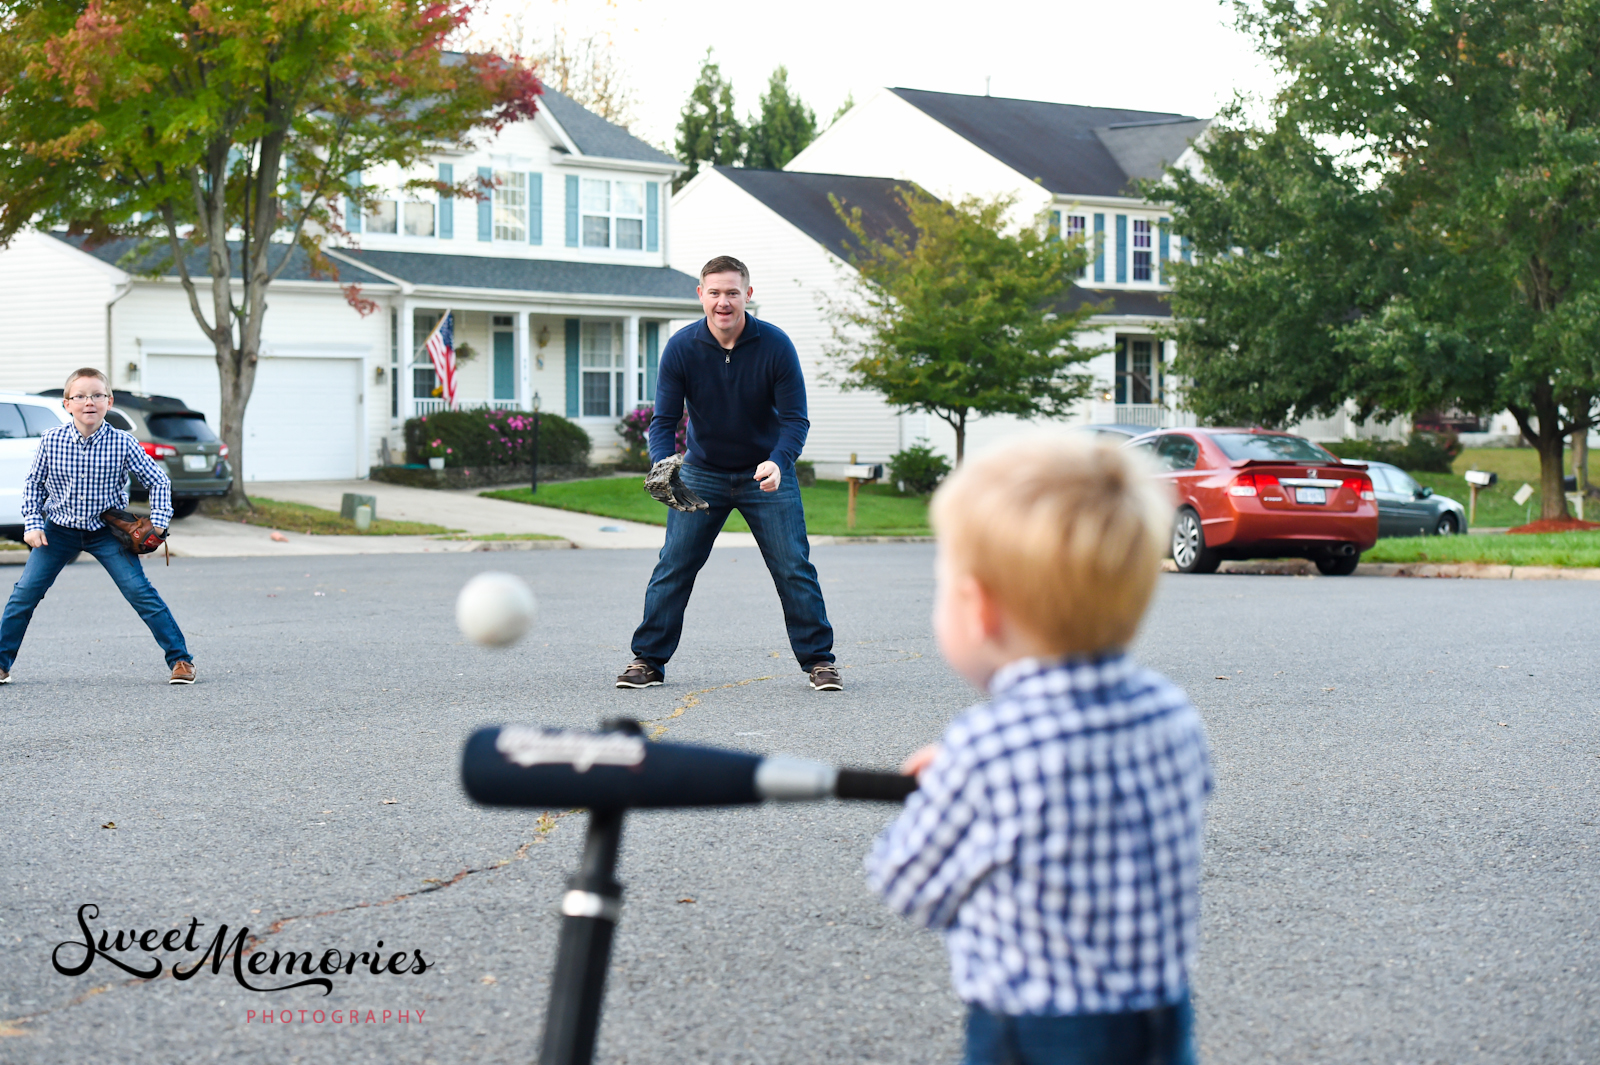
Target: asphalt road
(1401, 857)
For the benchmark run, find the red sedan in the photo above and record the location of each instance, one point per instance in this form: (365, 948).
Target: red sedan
(1251, 493)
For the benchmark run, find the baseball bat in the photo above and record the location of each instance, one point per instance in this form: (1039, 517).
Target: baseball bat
(520, 765)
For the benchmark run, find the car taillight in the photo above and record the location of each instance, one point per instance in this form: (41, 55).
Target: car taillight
(1360, 486)
(159, 451)
(224, 451)
(1246, 484)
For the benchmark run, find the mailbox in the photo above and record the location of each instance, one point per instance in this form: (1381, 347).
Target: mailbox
(1481, 478)
(865, 472)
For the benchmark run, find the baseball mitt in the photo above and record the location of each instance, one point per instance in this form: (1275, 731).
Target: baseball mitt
(666, 484)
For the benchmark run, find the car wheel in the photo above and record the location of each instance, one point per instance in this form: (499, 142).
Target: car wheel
(1448, 525)
(1189, 550)
(1338, 565)
(182, 508)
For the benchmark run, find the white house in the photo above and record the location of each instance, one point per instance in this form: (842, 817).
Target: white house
(559, 281)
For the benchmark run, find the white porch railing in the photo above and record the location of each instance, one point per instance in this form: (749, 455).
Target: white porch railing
(1151, 414)
(419, 407)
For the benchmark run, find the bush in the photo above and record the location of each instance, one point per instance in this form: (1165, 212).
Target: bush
(494, 438)
(635, 432)
(1424, 452)
(918, 469)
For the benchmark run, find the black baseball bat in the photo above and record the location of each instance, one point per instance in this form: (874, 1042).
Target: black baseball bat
(520, 765)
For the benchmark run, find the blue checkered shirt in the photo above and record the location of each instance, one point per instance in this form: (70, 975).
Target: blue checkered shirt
(1056, 840)
(72, 479)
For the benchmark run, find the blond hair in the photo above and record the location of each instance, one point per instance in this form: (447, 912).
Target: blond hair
(87, 371)
(1064, 531)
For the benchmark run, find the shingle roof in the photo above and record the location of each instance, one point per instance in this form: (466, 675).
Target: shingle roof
(155, 259)
(802, 200)
(529, 275)
(1071, 150)
(1123, 302)
(594, 135)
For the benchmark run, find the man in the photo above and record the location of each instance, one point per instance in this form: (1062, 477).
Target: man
(80, 471)
(740, 380)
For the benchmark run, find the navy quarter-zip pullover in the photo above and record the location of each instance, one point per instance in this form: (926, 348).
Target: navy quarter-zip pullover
(746, 405)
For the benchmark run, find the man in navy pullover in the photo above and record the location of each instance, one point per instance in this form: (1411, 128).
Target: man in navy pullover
(739, 378)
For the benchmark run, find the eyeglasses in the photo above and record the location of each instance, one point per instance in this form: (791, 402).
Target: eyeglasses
(98, 397)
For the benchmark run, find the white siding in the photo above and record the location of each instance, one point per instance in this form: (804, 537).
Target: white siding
(53, 303)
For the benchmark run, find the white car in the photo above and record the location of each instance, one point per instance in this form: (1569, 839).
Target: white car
(23, 419)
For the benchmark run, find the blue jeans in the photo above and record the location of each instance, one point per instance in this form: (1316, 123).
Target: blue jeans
(1163, 1036)
(779, 523)
(45, 563)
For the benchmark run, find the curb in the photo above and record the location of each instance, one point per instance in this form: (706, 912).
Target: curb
(515, 545)
(1448, 570)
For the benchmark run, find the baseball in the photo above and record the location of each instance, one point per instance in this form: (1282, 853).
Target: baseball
(495, 609)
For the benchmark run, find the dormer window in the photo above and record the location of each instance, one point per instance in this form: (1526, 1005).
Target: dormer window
(383, 217)
(1142, 251)
(510, 205)
(613, 214)
(419, 219)
(1074, 227)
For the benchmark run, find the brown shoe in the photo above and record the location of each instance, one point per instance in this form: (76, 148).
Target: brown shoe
(825, 678)
(640, 674)
(5, 676)
(182, 673)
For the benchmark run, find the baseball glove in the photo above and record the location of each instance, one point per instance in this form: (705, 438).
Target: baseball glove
(134, 531)
(666, 484)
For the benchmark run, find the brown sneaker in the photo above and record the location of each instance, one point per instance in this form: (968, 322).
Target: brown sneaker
(825, 678)
(640, 674)
(5, 676)
(182, 673)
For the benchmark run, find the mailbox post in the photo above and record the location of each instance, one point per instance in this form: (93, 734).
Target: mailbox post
(854, 475)
(1477, 479)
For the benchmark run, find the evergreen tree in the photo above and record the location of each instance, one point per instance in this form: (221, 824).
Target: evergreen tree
(785, 127)
(708, 132)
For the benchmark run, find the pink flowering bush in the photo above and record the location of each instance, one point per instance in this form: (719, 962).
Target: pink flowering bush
(495, 438)
(635, 432)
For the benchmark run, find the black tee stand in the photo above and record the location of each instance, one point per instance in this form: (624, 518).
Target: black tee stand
(590, 909)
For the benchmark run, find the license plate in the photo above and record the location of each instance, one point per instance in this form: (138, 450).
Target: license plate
(196, 463)
(1310, 495)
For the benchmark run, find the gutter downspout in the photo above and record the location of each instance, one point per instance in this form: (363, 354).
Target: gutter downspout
(121, 291)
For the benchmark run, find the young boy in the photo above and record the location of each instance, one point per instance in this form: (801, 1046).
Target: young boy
(1055, 833)
(82, 470)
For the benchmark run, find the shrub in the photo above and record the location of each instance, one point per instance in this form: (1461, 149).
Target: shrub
(635, 431)
(1423, 452)
(918, 469)
(495, 438)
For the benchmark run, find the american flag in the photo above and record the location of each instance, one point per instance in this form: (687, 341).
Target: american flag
(441, 348)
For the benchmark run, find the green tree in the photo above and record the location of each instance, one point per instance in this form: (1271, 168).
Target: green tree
(785, 127)
(1416, 227)
(962, 317)
(232, 128)
(708, 130)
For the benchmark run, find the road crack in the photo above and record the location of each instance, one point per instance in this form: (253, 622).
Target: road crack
(659, 726)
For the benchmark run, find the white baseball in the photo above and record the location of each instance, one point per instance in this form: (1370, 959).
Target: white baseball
(495, 609)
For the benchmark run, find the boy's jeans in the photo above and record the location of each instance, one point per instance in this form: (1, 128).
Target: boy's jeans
(45, 563)
(779, 523)
(1163, 1036)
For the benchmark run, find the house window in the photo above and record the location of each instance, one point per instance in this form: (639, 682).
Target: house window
(510, 205)
(603, 369)
(382, 217)
(419, 219)
(1138, 370)
(1074, 227)
(1141, 249)
(613, 214)
(423, 379)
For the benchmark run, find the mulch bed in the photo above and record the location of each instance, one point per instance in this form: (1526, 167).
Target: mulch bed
(1555, 525)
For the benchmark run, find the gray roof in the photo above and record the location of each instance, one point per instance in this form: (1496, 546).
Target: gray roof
(594, 135)
(1070, 150)
(529, 275)
(151, 257)
(1138, 303)
(802, 199)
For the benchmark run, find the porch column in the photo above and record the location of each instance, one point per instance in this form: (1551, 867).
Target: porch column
(630, 359)
(524, 380)
(408, 327)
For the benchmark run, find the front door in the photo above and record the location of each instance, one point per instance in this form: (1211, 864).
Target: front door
(505, 366)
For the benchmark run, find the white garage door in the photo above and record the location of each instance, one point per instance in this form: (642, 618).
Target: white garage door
(303, 422)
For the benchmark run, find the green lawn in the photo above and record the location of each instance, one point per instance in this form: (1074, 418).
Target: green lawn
(300, 518)
(1539, 549)
(880, 510)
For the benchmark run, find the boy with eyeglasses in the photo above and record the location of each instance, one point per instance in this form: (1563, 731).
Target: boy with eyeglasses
(81, 470)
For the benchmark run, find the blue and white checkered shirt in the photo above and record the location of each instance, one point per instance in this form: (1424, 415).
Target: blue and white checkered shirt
(1056, 840)
(73, 479)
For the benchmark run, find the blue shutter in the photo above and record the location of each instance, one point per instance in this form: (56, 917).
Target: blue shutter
(486, 206)
(447, 204)
(652, 224)
(535, 208)
(574, 383)
(352, 211)
(652, 357)
(1166, 248)
(1055, 225)
(572, 210)
(1099, 247)
(1183, 248)
(1122, 249)
(1122, 370)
